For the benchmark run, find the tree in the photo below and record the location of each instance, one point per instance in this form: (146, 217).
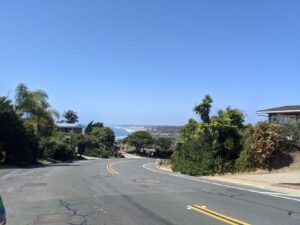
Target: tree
(5, 105)
(71, 116)
(234, 117)
(140, 139)
(164, 146)
(34, 107)
(210, 146)
(104, 136)
(18, 141)
(91, 125)
(203, 109)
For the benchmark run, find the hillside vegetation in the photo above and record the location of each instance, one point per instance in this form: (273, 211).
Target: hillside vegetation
(28, 131)
(223, 143)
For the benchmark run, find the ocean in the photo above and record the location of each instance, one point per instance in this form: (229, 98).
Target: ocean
(120, 132)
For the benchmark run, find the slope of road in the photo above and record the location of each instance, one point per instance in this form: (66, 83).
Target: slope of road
(133, 192)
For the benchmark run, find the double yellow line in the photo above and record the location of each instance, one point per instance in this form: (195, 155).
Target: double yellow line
(111, 170)
(216, 215)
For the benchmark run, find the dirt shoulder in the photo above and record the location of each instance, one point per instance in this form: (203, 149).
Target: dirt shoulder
(286, 182)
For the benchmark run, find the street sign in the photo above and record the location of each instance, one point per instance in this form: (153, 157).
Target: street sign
(76, 149)
(2, 156)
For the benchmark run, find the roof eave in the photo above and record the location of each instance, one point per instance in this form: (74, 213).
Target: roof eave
(279, 111)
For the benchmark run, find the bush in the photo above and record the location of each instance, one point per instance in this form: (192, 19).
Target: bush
(265, 146)
(267, 140)
(246, 161)
(19, 142)
(194, 157)
(164, 147)
(57, 146)
(212, 146)
(97, 152)
(292, 132)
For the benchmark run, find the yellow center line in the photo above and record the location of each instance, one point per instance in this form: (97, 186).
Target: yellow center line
(216, 215)
(110, 169)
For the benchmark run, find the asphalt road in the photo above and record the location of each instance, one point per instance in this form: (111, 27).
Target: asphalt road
(133, 192)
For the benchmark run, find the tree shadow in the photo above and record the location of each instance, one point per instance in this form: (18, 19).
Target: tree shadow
(280, 160)
(41, 165)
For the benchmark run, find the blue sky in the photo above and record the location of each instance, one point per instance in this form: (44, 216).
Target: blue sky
(150, 62)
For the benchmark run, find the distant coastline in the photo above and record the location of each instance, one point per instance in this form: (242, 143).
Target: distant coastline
(159, 130)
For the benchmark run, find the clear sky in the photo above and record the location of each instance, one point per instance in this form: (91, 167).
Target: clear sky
(150, 62)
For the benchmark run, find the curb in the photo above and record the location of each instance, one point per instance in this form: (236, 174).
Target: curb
(263, 185)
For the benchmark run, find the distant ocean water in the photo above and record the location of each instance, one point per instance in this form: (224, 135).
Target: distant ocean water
(120, 132)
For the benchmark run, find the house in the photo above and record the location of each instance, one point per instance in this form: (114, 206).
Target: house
(283, 114)
(70, 128)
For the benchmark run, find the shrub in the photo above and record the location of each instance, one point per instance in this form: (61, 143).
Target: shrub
(164, 147)
(19, 142)
(267, 140)
(57, 146)
(292, 132)
(194, 157)
(246, 161)
(264, 146)
(104, 136)
(97, 152)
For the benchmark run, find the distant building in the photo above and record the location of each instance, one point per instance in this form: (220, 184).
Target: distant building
(73, 128)
(283, 114)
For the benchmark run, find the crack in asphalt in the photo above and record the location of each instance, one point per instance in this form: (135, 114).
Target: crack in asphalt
(147, 212)
(74, 212)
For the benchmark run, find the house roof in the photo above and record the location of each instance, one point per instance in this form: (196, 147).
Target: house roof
(282, 109)
(69, 125)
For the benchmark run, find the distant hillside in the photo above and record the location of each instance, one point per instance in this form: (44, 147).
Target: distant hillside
(169, 131)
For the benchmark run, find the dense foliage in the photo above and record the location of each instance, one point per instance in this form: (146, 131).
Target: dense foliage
(70, 116)
(19, 141)
(140, 140)
(164, 146)
(28, 131)
(222, 143)
(292, 132)
(91, 125)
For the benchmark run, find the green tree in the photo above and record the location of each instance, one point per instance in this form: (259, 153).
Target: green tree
(91, 125)
(203, 109)
(189, 130)
(211, 146)
(34, 107)
(104, 136)
(233, 117)
(5, 105)
(140, 140)
(19, 142)
(164, 146)
(71, 116)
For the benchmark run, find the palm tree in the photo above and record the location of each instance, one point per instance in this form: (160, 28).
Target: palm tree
(34, 106)
(71, 116)
(203, 109)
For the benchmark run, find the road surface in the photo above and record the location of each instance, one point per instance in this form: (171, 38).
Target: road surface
(133, 192)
